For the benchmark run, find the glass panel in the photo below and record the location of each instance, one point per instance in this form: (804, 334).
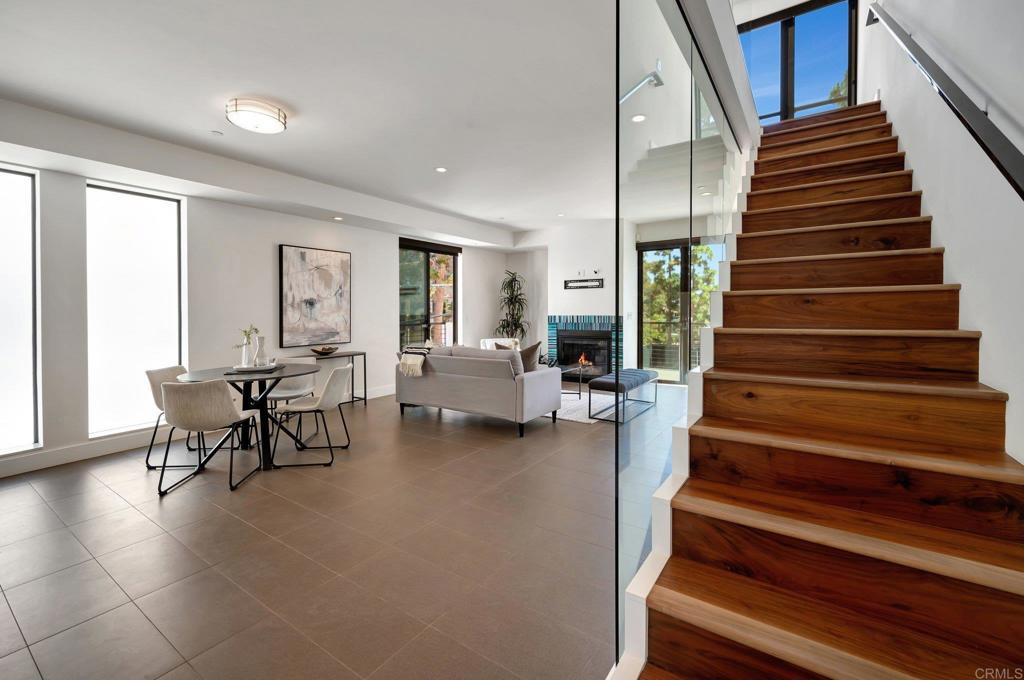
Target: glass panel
(662, 315)
(442, 299)
(821, 58)
(17, 342)
(412, 297)
(133, 303)
(763, 54)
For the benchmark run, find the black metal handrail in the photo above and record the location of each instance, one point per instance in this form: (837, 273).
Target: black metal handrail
(1007, 158)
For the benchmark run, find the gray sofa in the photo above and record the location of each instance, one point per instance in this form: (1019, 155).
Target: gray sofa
(487, 382)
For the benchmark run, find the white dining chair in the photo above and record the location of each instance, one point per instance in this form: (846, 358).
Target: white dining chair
(298, 387)
(333, 396)
(157, 377)
(204, 407)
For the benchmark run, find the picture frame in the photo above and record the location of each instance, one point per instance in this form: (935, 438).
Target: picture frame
(314, 296)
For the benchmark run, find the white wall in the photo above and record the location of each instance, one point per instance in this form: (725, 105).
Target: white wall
(574, 252)
(977, 216)
(481, 274)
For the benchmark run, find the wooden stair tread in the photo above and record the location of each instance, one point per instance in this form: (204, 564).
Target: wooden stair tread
(942, 388)
(824, 166)
(866, 333)
(832, 641)
(826, 204)
(834, 114)
(652, 672)
(831, 182)
(811, 152)
(835, 227)
(827, 135)
(850, 289)
(975, 464)
(966, 556)
(817, 126)
(840, 256)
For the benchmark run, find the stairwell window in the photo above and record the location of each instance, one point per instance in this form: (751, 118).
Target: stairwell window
(802, 60)
(134, 302)
(18, 402)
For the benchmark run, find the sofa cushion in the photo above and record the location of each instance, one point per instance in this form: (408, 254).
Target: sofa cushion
(441, 350)
(509, 355)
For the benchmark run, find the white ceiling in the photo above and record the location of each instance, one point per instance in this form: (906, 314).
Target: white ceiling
(517, 99)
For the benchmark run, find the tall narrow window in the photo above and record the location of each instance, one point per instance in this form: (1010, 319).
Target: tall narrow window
(801, 60)
(134, 302)
(427, 281)
(18, 420)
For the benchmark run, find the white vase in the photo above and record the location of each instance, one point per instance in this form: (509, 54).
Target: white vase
(246, 354)
(257, 355)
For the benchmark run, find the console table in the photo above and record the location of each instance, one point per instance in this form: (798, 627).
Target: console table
(351, 355)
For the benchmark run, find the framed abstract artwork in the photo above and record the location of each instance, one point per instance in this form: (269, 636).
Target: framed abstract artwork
(315, 295)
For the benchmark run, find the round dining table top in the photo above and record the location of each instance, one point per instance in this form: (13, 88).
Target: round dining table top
(227, 373)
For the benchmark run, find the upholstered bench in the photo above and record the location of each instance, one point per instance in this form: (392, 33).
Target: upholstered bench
(628, 379)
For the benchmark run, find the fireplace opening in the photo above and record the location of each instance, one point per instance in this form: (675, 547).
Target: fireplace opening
(588, 351)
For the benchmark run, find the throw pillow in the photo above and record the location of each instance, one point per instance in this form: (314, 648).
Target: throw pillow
(531, 356)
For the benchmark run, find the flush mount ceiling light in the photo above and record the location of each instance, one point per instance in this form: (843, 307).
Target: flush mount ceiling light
(256, 116)
(441, 170)
(638, 118)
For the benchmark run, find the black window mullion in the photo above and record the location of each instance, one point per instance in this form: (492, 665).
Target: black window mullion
(787, 91)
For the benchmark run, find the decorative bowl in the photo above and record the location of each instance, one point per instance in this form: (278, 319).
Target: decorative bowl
(324, 351)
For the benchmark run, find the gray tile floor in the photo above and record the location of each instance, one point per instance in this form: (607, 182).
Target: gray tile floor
(439, 546)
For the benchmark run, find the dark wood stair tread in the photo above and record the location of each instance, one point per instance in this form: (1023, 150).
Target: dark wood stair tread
(839, 256)
(832, 641)
(652, 672)
(826, 166)
(834, 227)
(767, 137)
(943, 388)
(824, 136)
(851, 289)
(827, 204)
(975, 464)
(969, 557)
(831, 182)
(838, 147)
(834, 114)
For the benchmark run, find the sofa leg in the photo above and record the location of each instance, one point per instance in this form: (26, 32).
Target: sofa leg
(554, 416)
(401, 408)
(522, 429)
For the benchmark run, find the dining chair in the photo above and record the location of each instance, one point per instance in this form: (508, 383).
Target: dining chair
(204, 407)
(295, 388)
(157, 377)
(333, 396)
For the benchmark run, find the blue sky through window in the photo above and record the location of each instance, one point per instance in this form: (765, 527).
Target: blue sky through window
(761, 50)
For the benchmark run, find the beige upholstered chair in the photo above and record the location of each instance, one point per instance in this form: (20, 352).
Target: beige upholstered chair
(295, 388)
(333, 396)
(157, 377)
(203, 407)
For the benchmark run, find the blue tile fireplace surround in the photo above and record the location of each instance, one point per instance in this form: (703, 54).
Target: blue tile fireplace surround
(569, 337)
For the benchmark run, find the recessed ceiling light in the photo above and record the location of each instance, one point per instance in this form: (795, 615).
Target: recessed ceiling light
(216, 133)
(256, 116)
(700, 186)
(705, 193)
(561, 214)
(337, 219)
(441, 170)
(638, 118)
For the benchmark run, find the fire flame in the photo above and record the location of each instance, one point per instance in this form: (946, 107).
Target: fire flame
(584, 361)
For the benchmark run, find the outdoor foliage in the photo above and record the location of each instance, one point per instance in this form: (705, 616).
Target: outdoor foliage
(513, 303)
(665, 306)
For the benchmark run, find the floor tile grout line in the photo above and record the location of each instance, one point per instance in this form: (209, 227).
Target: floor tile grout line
(24, 639)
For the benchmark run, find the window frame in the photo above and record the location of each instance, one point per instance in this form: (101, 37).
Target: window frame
(34, 274)
(178, 201)
(684, 245)
(437, 249)
(787, 63)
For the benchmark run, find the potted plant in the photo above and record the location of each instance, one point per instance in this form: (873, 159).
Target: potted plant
(512, 302)
(249, 335)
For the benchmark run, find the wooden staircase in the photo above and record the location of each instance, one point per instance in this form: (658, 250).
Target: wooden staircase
(850, 510)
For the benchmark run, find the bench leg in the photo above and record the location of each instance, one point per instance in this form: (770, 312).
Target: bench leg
(522, 429)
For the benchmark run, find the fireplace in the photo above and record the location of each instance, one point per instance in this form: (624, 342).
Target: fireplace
(591, 349)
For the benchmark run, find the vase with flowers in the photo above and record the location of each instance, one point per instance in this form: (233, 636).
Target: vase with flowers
(249, 336)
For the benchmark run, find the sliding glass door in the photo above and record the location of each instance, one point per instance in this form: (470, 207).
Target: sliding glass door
(427, 293)
(663, 307)
(801, 60)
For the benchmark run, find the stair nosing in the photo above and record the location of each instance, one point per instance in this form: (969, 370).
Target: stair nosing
(862, 332)
(811, 168)
(863, 384)
(828, 148)
(834, 121)
(830, 182)
(961, 568)
(834, 227)
(914, 288)
(876, 455)
(868, 254)
(827, 135)
(821, 204)
(767, 638)
(862, 105)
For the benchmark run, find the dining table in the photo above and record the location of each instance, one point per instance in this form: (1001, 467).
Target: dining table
(255, 388)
